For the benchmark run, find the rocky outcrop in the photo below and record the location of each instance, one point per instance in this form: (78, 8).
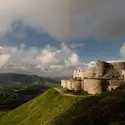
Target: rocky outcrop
(112, 74)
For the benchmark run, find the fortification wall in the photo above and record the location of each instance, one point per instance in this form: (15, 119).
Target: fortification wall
(78, 74)
(100, 68)
(64, 83)
(90, 72)
(123, 74)
(69, 85)
(90, 80)
(113, 84)
(93, 86)
(110, 88)
(82, 85)
(76, 85)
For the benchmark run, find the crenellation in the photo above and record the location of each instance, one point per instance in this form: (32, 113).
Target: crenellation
(104, 76)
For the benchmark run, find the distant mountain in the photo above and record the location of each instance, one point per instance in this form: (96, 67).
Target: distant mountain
(23, 78)
(51, 108)
(62, 78)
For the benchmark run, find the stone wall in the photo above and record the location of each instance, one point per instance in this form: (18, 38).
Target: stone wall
(94, 86)
(123, 74)
(64, 83)
(100, 68)
(110, 88)
(76, 85)
(113, 84)
(90, 72)
(78, 74)
(82, 85)
(70, 85)
(95, 80)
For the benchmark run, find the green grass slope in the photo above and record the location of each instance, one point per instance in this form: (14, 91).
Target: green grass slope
(51, 108)
(105, 109)
(3, 112)
(40, 111)
(12, 97)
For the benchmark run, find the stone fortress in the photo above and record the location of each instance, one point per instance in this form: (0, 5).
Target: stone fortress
(102, 77)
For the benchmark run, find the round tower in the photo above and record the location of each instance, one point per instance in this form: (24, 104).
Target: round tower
(100, 68)
(76, 85)
(64, 83)
(69, 85)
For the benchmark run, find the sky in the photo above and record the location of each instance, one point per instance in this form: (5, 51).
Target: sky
(53, 37)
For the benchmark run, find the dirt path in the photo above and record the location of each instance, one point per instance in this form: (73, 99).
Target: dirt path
(68, 94)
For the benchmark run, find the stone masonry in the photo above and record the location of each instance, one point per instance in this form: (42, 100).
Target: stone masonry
(97, 79)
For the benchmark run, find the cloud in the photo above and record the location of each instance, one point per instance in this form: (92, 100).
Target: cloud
(76, 45)
(115, 61)
(91, 64)
(65, 19)
(47, 61)
(4, 60)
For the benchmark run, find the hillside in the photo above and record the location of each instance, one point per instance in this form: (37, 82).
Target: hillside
(16, 95)
(51, 108)
(16, 89)
(41, 110)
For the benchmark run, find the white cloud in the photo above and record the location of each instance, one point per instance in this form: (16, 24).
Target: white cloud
(91, 64)
(115, 61)
(65, 18)
(76, 45)
(49, 61)
(39, 61)
(4, 60)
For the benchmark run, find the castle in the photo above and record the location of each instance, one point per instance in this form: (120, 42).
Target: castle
(102, 77)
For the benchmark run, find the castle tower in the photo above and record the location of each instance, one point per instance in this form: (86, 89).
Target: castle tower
(78, 74)
(77, 85)
(100, 68)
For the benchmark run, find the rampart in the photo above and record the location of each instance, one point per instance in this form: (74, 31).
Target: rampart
(95, 80)
(94, 86)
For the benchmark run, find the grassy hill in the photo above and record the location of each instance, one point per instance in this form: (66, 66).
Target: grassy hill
(51, 108)
(16, 89)
(41, 110)
(3, 112)
(11, 98)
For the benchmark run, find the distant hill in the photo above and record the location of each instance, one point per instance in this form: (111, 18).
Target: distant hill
(17, 95)
(17, 89)
(23, 78)
(51, 108)
(63, 77)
